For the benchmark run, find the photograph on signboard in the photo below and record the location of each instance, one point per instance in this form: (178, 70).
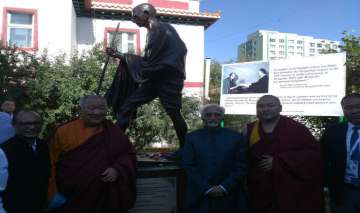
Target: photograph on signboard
(246, 78)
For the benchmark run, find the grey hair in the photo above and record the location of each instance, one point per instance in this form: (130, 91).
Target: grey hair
(23, 111)
(204, 109)
(85, 98)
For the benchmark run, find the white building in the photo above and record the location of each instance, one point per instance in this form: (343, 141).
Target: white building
(69, 25)
(269, 45)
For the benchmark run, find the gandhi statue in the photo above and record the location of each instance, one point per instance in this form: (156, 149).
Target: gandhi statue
(160, 72)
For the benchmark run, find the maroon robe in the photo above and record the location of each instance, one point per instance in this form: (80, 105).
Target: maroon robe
(295, 183)
(79, 174)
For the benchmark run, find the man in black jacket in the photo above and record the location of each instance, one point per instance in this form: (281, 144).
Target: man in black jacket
(28, 166)
(342, 158)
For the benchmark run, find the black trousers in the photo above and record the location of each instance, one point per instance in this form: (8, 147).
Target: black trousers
(168, 90)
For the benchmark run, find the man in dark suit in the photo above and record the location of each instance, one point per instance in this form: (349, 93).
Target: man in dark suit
(260, 86)
(28, 166)
(342, 158)
(230, 83)
(214, 159)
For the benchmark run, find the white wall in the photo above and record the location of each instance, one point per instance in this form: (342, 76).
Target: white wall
(193, 36)
(91, 31)
(55, 28)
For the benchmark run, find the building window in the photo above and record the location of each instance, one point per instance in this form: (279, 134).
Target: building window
(312, 50)
(272, 40)
(272, 52)
(281, 40)
(301, 54)
(272, 46)
(334, 46)
(327, 46)
(281, 52)
(281, 47)
(20, 28)
(312, 44)
(290, 47)
(291, 53)
(299, 42)
(311, 54)
(299, 48)
(291, 41)
(127, 40)
(319, 45)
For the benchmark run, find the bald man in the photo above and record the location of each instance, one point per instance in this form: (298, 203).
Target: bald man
(25, 161)
(93, 163)
(285, 173)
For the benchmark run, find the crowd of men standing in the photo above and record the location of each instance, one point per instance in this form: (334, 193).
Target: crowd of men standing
(274, 166)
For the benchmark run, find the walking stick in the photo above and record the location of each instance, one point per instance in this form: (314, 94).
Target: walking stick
(107, 61)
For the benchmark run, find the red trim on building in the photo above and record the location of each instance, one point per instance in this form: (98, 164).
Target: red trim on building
(116, 1)
(21, 10)
(127, 30)
(87, 4)
(170, 4)
(194, 84)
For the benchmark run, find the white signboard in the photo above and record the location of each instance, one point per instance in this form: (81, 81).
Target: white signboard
(310, 86)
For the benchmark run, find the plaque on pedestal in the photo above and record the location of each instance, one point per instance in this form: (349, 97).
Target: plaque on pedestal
(159, 189)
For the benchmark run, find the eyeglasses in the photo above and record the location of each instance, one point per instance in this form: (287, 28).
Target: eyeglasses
(215, 114)
(34, 123)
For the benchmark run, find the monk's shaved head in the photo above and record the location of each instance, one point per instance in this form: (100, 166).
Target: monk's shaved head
(269, 97)
(84, 100)
(93, 110)
(268, 108)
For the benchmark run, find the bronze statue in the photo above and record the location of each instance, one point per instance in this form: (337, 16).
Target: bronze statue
(160, 72)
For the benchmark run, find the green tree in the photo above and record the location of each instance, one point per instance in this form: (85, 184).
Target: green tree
(152, 124)
(16, 69)
(58, 84)
(351, 45)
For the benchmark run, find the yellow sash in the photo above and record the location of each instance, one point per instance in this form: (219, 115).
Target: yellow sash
(254, 135)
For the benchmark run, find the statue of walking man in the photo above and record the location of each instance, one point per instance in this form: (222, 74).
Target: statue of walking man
(160, 72)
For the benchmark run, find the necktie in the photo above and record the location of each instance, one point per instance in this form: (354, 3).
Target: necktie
(355, 151)
(354, 135)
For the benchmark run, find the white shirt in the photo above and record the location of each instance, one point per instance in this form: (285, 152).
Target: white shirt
(3, 176)
(350, 150)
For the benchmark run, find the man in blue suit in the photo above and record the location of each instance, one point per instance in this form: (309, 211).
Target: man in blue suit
(342, 158)
(215, 163)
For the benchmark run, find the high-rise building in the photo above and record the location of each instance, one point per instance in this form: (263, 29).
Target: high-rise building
(270, 45)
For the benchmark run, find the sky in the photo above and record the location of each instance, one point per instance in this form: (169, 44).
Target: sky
(323, 19)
